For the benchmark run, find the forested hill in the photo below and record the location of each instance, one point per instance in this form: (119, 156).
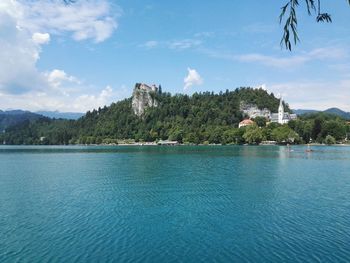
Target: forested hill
(15, 117)
(179, 117)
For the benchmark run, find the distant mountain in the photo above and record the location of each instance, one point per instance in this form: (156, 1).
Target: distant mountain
(15, 117)
(61, 115)
(339, 112)
(335, 111)
(301, 111)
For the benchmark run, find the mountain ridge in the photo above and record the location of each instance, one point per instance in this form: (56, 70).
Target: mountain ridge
(333, 110)
(15, 117)
(61, 115)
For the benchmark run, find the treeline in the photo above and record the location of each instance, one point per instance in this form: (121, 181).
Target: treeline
(14, 117)
(311, 128)
(44, 131)
(201, 118)
(316, 127)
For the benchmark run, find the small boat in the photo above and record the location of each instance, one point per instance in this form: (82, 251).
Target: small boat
(308, 150)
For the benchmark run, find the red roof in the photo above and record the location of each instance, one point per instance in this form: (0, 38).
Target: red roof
(247, 121)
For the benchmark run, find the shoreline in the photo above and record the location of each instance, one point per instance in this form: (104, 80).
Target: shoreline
(181, 144)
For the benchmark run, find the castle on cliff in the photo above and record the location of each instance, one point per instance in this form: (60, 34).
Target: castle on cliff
(143, 97)
(145, 87)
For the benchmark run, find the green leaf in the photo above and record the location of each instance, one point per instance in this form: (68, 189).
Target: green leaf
(325, 17)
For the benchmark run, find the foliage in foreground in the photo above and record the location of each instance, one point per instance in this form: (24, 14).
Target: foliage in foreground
(289, 17)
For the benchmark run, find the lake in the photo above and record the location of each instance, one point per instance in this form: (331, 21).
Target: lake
(170, 204)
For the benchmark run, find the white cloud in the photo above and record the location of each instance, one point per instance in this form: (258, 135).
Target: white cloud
(184, 44)
(20, 40)
(205, 34)
(57, 77)
(86, 101)
(193, 78)
(279, 62)
(54, 100)
(342, 68)
(173, 44)
(18, 54)
(262, 86)
(318, 54)
(327, 53)
(260, 28)
(307, 95)
(150, 44)
(83, 19)
(288, 61)
(40, 39)
(24, 27)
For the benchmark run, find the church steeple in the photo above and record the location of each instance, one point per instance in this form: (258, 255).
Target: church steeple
(280, 112)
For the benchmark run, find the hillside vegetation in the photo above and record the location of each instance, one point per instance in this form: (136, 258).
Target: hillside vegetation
(14, 117)
(201, 118)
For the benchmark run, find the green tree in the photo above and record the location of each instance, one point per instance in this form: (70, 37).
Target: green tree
(253, 135)
(303, 128)
(260, 121)
(284, 134)
(176, 135)
(335, 128)
(216, 135)
(317, 128)
(233, 136)
(329, 140)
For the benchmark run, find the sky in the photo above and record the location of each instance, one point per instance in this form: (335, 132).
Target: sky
(91, 53)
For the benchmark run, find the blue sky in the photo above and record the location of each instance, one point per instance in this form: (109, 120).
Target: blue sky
(89, 54)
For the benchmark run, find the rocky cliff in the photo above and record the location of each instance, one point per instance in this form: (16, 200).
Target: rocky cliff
(143, 97)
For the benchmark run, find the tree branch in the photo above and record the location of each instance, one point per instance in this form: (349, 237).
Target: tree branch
(291, 22)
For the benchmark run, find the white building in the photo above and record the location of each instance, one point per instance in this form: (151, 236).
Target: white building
(282, 117)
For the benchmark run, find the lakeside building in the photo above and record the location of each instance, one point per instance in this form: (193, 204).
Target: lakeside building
(282, 117)
(167, 142)
(246, 122)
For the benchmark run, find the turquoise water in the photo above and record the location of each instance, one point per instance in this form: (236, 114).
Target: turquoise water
(170, 204)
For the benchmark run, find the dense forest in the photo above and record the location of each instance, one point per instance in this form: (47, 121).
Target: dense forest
(14, 117)
(201, 118)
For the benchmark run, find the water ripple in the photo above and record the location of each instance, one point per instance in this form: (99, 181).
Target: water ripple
(174, 204)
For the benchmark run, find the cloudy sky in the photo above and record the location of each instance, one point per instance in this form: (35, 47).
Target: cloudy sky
(88, 54)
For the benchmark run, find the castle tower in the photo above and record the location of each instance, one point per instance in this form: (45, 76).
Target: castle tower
(280, 112)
